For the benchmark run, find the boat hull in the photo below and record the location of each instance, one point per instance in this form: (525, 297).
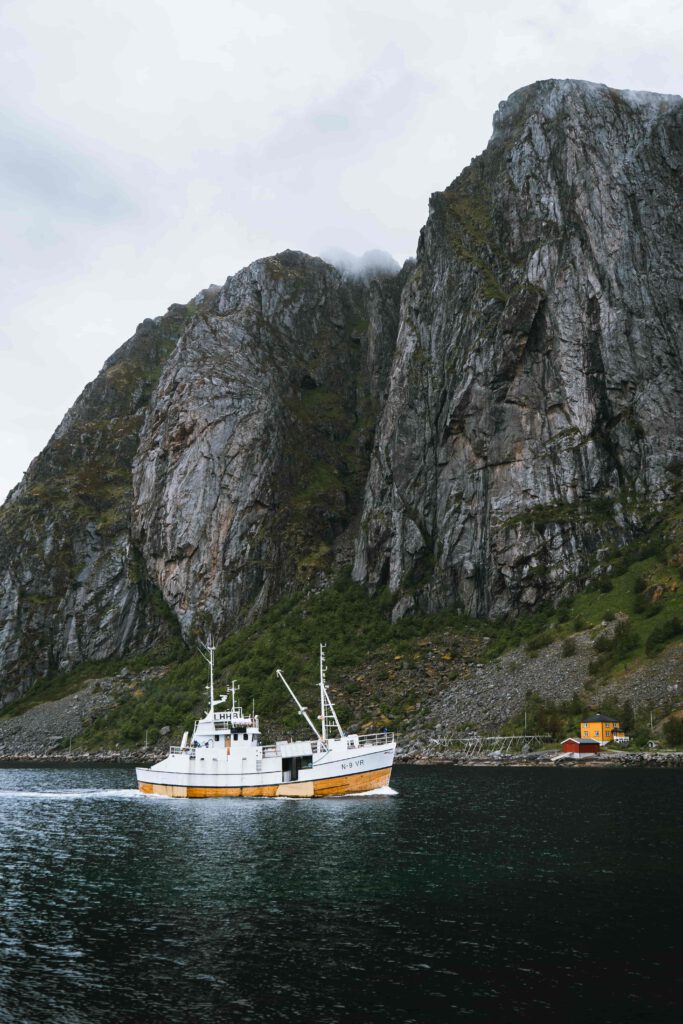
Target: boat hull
(340, 785)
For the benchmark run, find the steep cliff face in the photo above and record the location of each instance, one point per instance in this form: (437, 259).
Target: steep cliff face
(536, 393)
(211, 465)
(499, 412)
(255, 451)
(72, 587)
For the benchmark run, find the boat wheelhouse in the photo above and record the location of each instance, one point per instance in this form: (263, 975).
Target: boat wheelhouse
(225, 756)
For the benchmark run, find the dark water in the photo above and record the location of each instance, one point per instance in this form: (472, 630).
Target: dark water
(483, 894)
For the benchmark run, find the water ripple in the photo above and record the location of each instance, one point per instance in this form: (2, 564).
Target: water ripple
(456, 900)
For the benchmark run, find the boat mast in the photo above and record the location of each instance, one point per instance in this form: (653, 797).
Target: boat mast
(207, 649)
(323, 716)
(328, 715)
(302, 710)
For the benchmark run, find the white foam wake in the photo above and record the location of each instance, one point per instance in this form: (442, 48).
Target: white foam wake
(382, 791)
(70, 794)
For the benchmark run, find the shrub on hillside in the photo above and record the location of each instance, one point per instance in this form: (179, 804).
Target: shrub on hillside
(625, 639)
(613, 649)
(673, 732)
(626, 717)
(568, 647)
(661, 634)
(639, 584)
(563, 612)
(603, 643)
(539, 641)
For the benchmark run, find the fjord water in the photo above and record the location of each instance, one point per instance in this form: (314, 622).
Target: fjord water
(487, 894)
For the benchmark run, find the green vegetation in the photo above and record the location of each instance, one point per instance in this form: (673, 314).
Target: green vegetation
(615, 648)
(593, 510)
(673, 731)
(661, 634)
(540, 640)
(61, 684)
(358, 629)
(637, 582)
(467, 205)
(563, 718)
(323, 485)
(647, 587)
(352, 623)
(569, 647)
(356, 625)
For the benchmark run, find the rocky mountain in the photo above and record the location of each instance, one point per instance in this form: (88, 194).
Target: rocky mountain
(474, 430)
(256, 448)
(72, 586)
(536, 396)
(209, 468)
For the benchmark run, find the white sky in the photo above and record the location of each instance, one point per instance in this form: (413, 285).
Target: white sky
(150, 148)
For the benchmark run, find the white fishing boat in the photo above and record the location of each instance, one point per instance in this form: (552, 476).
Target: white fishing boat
(225, 756)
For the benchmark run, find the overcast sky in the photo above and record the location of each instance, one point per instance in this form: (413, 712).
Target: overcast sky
(151, 148)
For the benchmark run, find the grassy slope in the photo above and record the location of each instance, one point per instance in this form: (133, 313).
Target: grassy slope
(643, 584)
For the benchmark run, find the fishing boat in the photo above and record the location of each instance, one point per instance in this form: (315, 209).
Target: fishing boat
(225, 756)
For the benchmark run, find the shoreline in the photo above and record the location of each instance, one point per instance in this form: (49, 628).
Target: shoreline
(543, 759)
(553, 759)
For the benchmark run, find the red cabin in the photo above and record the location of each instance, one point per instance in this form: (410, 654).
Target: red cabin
(576, 746)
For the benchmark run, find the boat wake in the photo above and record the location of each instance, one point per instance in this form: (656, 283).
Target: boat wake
(382, 791)
(70, 794)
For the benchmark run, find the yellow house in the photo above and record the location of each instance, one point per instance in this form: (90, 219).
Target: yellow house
(601, 728)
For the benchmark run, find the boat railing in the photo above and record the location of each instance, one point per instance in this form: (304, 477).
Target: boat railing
(376, 739)
(274, 749)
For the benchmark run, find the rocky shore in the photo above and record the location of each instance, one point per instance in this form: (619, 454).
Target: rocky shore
(485, 695)
(548, 759)
(113, 757)
(49, 730)
(539, 759)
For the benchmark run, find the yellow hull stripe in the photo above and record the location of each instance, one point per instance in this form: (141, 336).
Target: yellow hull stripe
(362, 782)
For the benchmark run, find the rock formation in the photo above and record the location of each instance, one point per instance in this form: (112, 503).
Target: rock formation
(72, 586)
(536, 394)
(500, 410)
(210, 467)
(255, 451)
